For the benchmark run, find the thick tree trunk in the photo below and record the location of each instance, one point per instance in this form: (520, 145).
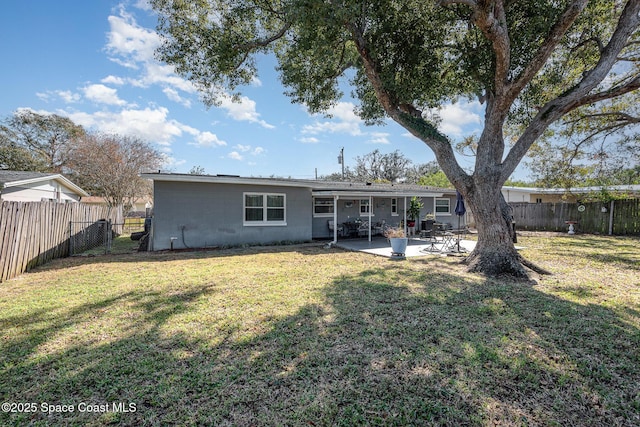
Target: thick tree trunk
(495, 253)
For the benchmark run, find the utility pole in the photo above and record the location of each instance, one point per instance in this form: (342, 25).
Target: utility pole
(341, 161)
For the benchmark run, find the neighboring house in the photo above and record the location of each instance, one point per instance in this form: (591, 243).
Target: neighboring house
(195, 211)
(138, 205)
(36, 187)
(559, 195)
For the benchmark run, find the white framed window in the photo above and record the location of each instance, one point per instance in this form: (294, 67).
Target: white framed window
(264, 209)
(365, 207)
(323, 206)
(443, 206)
(394, 207)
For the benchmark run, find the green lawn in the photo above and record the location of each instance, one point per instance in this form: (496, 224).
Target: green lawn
(307, 336)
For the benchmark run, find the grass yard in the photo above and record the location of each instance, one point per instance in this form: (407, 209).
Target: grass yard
(307, 336)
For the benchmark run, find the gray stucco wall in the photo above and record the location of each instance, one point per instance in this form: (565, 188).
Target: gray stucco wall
(209, 214)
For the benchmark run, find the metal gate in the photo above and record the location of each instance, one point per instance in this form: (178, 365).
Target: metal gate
(90, 235)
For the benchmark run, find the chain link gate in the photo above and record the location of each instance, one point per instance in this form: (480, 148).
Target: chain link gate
(90, 235)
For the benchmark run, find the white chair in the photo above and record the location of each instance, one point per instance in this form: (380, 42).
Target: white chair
(363, 229)
(331, 227)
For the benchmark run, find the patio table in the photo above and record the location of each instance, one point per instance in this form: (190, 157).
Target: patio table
(351, 228)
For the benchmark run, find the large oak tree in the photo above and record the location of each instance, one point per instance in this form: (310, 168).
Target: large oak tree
(530, 61)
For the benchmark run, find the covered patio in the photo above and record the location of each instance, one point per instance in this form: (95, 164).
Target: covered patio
(350, 212)
(380, 246)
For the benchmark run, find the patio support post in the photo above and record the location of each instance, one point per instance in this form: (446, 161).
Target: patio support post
(405, 216)
(434, 209)
(335, 218)
(370, 209)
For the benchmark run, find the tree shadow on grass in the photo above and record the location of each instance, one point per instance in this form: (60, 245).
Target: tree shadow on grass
(386, 346)
(191, 254)
(607, 249)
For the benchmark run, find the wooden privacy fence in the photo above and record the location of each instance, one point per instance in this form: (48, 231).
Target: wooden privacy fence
(33, 233)
(618, 217)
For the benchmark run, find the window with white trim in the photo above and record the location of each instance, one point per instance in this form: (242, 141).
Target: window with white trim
(443, 206)
(264, 209)
(364, 207)
(394, 207)
(323, 206)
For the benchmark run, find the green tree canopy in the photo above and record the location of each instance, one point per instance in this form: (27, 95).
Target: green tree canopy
(37, 142)
(437, 179)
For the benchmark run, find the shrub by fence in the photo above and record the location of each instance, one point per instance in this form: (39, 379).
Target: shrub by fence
(619, 217)
(33, 233)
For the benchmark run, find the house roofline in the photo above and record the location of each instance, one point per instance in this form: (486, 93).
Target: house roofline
(57, 177)
(328, 188)
(356, 194)
(573, 190)
(225, 179)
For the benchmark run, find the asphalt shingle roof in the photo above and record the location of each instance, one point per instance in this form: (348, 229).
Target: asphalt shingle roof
(12, 176)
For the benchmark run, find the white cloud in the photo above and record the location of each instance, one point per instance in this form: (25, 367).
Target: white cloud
(309, 140)
(44, 96)
(174, 96)
(103, 95)
(379, 138)
(248, 149)
(149, 124)
(171, 162)
(133, 46)
(161, 74)
(208, 139)
(344, 120)
(243, 110)
(113, 80)
(456, 116)
(128, 43)
(235, 155)
(143, 4)
(66, 95)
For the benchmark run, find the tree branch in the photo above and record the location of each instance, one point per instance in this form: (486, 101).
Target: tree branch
(578, 96)
(405, 114)
(608, 94)
(490, 18)
(267, 41)
(561, 26)
(471, 3)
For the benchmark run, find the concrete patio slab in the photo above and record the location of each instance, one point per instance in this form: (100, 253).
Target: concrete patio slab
(416, 247)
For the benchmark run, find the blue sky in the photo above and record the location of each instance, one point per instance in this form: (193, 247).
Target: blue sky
(93, 62)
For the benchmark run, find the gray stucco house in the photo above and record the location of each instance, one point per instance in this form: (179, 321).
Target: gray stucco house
(198, 211)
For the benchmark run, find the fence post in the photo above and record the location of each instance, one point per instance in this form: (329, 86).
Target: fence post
(611, 218)
(70, 238)
(108, 227)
